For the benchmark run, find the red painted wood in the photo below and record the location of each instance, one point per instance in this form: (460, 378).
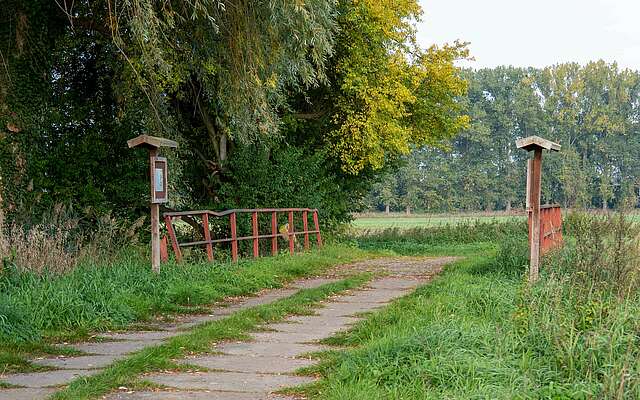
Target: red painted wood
(274, 232)
(305, 228)
(316, 224)
(207, 236)
(174, 241)
(234, 237)
(164, 253)
(255, 236)
(254, 228)
(291, 233)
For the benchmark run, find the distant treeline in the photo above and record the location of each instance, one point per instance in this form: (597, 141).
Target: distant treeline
(592, 111)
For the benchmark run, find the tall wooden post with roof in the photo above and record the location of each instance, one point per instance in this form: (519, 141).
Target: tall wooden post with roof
(159, 188)
(534, 185)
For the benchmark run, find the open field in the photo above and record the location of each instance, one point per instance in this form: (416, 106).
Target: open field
(402, 221)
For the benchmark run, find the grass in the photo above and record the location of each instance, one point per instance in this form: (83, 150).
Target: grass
(479, 331)
(200, 339)
(425, 221)
(40, 309)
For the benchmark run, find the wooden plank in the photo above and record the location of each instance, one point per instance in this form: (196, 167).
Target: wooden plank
(305, 228)
(172, 237)
(316, 223)
(254, 228)
(291, 234)
(207, 236)
(234, 237)
(274, 232)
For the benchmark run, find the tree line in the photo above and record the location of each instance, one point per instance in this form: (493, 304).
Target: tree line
(273, 103)
(593, 111)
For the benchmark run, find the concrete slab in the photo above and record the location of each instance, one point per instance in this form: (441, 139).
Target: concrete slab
(395, 283)
(313, 283)
(229, 381)
(190, 395)
(288, 337)
(315, 321)
(255, 364)
(374, 296)
(45, 379)
(347, 309)
(115, 348)
(25, 394)
(266, 349)
(324, 330)
(82, 362)
(138, 335)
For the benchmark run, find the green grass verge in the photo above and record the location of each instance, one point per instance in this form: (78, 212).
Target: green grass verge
(36, 310)
(199, 340)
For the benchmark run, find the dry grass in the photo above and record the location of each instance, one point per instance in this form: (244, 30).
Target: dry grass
(63, 241)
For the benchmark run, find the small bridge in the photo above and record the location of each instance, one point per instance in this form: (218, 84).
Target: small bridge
(230, 220)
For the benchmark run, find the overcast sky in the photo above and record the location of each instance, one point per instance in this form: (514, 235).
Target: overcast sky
(536, 32)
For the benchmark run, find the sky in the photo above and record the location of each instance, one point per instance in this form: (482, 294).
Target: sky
(536, 33)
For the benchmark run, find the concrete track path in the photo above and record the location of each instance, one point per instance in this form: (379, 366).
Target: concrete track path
(240, 370)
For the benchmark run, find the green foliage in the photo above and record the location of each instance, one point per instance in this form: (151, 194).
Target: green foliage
(591, 111)
(392, 95)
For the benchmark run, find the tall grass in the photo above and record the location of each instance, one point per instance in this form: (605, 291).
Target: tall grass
(64, 239)
(96, 296)
(480, 331)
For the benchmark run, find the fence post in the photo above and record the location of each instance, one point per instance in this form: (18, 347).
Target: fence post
(254, 228)
(305, 227)
(291, 235)
(234, 237)
(174, 241)
(274, 232)
(207, 236)
(317, 228)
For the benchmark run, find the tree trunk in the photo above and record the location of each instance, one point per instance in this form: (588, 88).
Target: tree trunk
(386, 209)
(508, 209)
(604, 205)
(408, 210)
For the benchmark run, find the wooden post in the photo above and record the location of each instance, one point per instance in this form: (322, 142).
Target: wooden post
(316, 224)
(534, 201)
(159, 191)
(254, 228)
(234, 237)
(207, 236)
(534, 186)
(155, 220)
(291, 236)
(305, 227)
(274, 232)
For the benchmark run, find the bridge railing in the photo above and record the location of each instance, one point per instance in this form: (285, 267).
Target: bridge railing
(289, 233)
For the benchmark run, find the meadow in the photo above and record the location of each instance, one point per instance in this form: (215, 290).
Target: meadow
(375, 221)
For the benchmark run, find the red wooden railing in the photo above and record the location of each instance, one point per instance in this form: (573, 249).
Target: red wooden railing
(550, 228)
(255, 237)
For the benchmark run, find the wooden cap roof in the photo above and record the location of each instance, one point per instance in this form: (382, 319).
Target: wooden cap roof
(151, 142)
(536, 142)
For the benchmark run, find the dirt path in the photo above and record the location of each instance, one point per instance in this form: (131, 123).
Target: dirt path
(243, 370)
